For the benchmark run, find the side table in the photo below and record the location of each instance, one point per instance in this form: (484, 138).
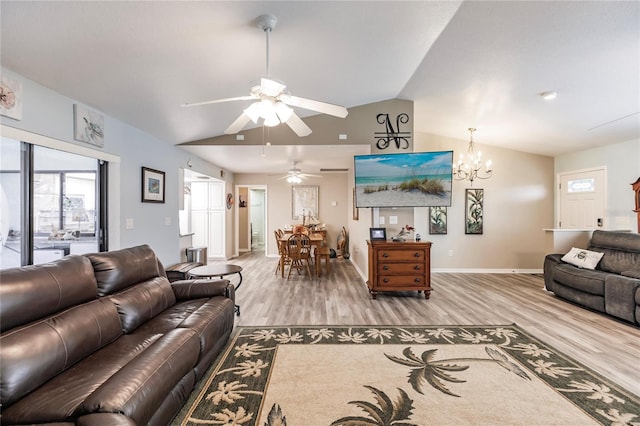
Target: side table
(210, 271)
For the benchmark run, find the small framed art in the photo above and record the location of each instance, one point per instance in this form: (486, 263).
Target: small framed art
(152, 186)
(88, 126)
(437, 220)
(378, 234)
(474, 211)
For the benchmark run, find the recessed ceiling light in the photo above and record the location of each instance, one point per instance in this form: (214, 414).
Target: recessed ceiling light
(549, 95)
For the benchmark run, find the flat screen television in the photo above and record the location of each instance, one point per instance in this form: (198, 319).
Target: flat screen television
(407, 179)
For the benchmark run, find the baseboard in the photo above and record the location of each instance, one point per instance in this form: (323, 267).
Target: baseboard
(486, 271)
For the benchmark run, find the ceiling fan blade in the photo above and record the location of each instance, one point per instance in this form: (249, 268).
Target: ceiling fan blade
(310, 104)
(238, 124)
(306, 175)
(271, 87)
(298, 126)
(218, 101)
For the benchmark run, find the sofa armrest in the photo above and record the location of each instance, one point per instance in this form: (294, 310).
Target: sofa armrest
(550, 263)
(196, 289)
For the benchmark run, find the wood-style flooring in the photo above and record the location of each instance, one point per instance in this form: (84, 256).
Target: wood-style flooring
(607, 346)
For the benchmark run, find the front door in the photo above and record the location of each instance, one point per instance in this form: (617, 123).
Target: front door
(582, 199)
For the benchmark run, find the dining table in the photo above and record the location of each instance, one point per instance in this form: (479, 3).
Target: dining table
(316, 240)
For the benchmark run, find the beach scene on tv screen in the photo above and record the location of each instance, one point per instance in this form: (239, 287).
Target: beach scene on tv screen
(417, 179)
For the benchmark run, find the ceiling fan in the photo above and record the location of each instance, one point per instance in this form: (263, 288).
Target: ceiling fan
(295, 175)
(273, 101)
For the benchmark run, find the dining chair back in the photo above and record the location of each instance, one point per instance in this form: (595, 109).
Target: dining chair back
(298, 248)
(282, 251)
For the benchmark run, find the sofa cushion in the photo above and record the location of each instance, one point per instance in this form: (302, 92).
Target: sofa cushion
(580, 279)
(119, 269)
(582, 258)
(34, 354)
(621, 250)
(60, 397)
(45, 289)
(140, 387)
(143, 302)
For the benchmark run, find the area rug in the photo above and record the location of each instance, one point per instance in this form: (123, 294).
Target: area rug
(429, 375)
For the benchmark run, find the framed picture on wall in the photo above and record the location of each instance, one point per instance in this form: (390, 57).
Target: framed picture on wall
(88, 126)
(152, 186)
(437, 220)
(474, 211)
(304, 201)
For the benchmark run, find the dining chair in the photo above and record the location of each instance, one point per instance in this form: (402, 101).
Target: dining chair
(282, 251)
(298, 248)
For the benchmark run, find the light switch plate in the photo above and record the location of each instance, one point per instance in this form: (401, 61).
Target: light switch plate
(393, 220)
(129, 223)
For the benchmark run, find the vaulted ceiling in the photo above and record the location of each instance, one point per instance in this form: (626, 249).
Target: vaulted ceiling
(464, 64)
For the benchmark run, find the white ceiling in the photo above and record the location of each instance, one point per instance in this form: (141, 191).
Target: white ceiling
(472, 64)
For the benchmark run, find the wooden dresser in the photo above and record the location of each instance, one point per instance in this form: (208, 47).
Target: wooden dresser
(399, 266)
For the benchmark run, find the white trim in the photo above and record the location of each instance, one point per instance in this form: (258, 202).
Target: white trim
(40, 140)
(486, 271)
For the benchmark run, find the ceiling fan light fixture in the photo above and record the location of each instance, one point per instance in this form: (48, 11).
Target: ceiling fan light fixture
(253, 112)
(283, 111)
(294, 179)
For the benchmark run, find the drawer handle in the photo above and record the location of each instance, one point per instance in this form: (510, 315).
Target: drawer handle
(385, 267)
(416, 280)
(416, 254)
(385, 254)
(417, 267)
(385, 280)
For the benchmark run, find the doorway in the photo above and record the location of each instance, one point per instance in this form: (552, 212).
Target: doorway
(251, 219)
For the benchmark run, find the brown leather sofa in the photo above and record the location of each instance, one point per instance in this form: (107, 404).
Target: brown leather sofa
(105, 339)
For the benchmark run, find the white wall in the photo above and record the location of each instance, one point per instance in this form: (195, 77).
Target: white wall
(622, 161)
(50, 114)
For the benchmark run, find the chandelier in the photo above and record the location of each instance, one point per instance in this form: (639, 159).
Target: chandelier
(471, 169)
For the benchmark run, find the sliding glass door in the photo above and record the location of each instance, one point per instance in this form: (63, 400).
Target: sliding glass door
(50, 204)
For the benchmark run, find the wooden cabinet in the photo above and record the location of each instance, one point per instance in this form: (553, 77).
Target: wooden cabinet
(399, 266)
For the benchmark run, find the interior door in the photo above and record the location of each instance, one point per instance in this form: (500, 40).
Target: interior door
(582, 199)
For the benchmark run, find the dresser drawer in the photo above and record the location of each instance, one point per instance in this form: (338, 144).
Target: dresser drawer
(400, 255)
(401, 281)
(400, 268)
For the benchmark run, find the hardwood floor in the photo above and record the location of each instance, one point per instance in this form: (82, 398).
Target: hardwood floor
(607, 346)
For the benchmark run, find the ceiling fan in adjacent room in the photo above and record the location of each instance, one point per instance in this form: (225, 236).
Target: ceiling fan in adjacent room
(295, 175)
(272, 101)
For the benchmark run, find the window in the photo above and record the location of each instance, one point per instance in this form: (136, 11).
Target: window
(581, 185)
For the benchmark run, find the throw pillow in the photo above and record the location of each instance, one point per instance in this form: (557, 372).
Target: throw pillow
(583, 258)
